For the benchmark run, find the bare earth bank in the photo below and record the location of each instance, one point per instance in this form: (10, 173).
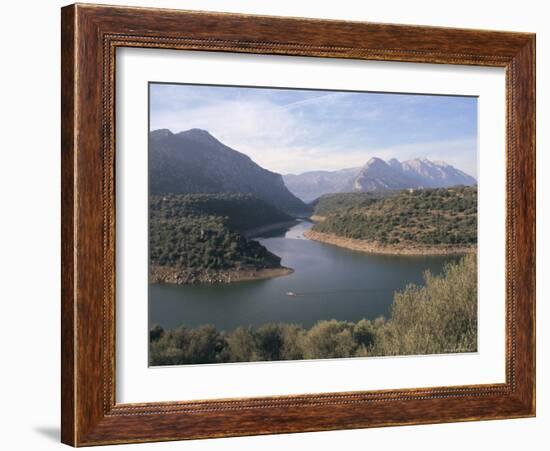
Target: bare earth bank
(166, 274)
(376, 248)
(317, 218)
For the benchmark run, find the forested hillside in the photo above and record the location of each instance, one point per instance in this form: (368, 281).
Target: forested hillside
(198, 237)
(242, 212)
(432, 217)
(331, 203)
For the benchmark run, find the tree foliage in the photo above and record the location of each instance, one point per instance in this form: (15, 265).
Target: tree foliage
(241, 212)
(439, 216)
(205, 231)
(329, 203)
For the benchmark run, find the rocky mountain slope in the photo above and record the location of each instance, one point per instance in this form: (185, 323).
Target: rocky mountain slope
(311, 185)
(194, 161)
(378, 175)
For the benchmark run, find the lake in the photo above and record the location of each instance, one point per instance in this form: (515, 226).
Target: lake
(328, 282)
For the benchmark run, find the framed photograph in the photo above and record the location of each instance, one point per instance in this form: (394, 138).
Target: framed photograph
(278, 225)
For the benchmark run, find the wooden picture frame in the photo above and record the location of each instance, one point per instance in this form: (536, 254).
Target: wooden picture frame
(90, 36)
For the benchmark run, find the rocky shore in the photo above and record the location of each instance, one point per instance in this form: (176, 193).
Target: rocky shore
(166, 274)
(317, 218)
(376, 248)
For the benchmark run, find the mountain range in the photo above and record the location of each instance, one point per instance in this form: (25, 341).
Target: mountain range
(377, 175)
(194, 161)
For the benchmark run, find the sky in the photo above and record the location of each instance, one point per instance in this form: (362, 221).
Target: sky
(295, 131)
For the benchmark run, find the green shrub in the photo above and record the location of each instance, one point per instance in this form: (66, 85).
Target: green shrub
(439, 317)
(438, 216)
(205, 231)
(329, 339)
(242, 345)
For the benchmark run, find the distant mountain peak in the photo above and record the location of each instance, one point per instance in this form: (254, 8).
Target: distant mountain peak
(377, 175)
(161, 132)
(195, 132)
(375, 161)
(417, 161)
(394, 162)
(199, 134)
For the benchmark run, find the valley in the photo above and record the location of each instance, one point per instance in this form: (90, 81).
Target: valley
(208, 203)
(282, 227)
(203, 238)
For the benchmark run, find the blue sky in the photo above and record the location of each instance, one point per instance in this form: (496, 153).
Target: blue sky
(294, 131)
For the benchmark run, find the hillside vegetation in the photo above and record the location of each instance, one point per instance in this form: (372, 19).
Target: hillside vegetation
(439, 317)
(199, 235)
(424, 217)
(331, 203)
(242, 212)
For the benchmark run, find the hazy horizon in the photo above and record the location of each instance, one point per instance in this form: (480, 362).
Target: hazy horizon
(357, 166)
(292, 131)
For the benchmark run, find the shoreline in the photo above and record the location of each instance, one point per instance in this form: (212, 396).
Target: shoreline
(317, 218)
(255, 232)
(375, 248)
(166, 274)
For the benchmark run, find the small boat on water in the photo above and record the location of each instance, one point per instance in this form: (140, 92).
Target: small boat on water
(290, 293)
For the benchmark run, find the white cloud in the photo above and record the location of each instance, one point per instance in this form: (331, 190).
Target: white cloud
(296, 160)
(295, 138)
(324, 99)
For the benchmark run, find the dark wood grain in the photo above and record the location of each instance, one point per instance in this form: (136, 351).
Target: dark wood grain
(90, 36)
(67, 227)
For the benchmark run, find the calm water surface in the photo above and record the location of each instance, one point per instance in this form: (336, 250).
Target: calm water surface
(329, 282)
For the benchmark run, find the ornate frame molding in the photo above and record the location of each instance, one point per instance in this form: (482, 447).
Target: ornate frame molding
(90, 36)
